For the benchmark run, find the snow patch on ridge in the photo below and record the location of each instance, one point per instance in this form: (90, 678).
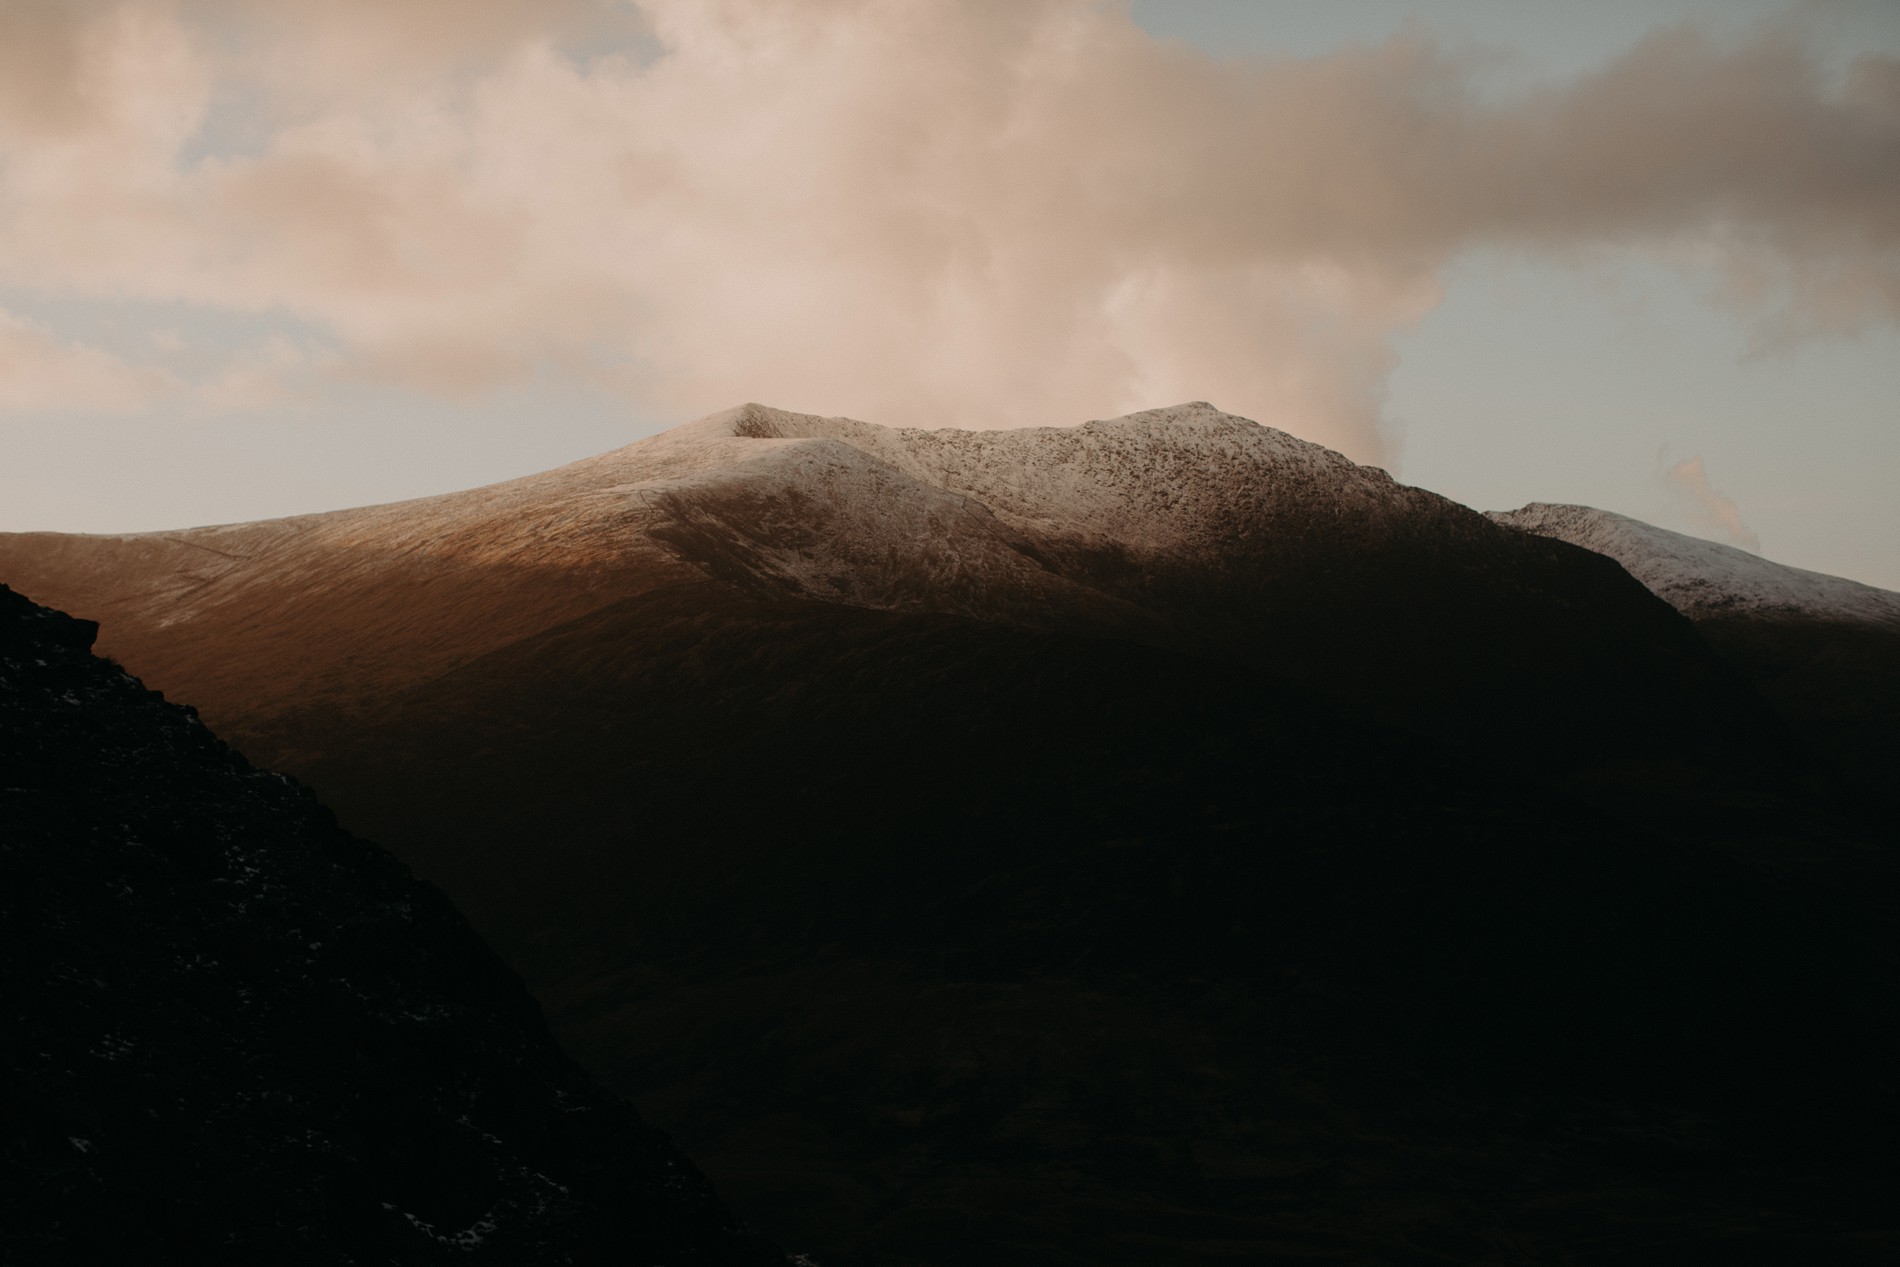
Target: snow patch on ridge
(1705, 579)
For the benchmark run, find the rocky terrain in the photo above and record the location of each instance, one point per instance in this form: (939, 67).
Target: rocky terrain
(233, 1033)
(1157, 841)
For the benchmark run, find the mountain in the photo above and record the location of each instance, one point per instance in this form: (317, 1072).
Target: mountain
(1183, 528)
(1159, 840)
(1823, 650)
(235, 1034)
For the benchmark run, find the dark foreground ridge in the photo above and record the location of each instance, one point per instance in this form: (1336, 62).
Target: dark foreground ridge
(233, 1033)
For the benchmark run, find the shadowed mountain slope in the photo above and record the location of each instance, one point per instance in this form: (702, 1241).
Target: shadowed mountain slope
(1823, 650)
(232, 1033)
(1158, 841)
(1040, 949)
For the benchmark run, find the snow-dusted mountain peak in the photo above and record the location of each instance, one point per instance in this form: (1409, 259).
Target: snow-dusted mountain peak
(1113, 525)
(1184, 477)
(1183, 528)
(1706, 579)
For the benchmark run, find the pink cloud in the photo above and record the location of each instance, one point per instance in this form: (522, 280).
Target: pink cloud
(930, 213)
(42, 373)
(1712, 511)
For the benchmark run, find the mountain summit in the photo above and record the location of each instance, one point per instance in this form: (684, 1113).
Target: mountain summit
(1184, 528)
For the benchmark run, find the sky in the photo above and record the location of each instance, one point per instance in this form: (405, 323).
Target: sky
(264, 257)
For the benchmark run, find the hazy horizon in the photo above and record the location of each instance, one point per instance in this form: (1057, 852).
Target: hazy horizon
(265, 260)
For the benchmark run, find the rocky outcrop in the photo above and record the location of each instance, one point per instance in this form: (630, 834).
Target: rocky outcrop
(233, 1033)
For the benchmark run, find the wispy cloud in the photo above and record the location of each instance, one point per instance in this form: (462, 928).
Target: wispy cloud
(42, 373)
(1711, 510)
(934, 212)
(46, 372)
